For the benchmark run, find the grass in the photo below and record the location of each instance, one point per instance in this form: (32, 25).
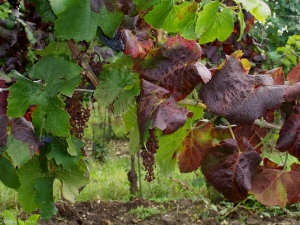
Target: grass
(108, 181)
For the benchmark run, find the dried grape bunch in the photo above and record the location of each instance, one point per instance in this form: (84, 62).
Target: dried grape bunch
(148, 155)
(79, 114)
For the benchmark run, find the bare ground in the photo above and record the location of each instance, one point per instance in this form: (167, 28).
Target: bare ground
(180, 212)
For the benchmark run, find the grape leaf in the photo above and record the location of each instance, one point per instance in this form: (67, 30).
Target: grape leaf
(230, 167)
(57, 75)
(277, 187)
(289, 136)
(194, 147)
(145, 5)
(131, 125)
(3, 116)
(212, 24)
(8, 175)
(44, 10)
(19, 152)
(160, 13)
(257, 8)
(84, 25)
(242, 25)
(29, 175)
(117, 87)
(22, 130)
(171, 144)
(56, 49)
(242, 98)
(253, 133)
(71, 181)
(277, 75)
(172, 66)
(9, 218)
(293, 76)
(158, 109)
(137, 42)
(59, 152)
(44, 197)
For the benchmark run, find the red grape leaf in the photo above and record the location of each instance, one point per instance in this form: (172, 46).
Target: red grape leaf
(242, 98)
(159, 108)
(289, 136)
(294, 75)
(137, 42)
(173, 66)
(194, 147)
(3, 114)
(252, 133)
(229, 170)
(277, 187)
(22, 130)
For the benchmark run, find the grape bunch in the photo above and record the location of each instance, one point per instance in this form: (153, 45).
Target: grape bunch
(148, 155)
(79, 114)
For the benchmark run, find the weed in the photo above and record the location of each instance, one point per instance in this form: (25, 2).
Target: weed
(145, 212)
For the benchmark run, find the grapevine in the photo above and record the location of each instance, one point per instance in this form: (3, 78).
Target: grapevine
(160, 64)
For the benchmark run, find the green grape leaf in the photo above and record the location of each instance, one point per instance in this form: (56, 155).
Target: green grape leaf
(19, 152)
(71, 181)
(131, 125)
(158, 17)
(44, 197)
(59, 152)
(84, 25)
(145, 5)
(174, 18)
(185, 20)
(57, 76)
(32, 220)
(171, 144)
(56, 49)
(259, 9)
(8, 175)
(118, 87)
(9, 218)
(44, 9)
(29, 175)
(212, 24)
(71, 146)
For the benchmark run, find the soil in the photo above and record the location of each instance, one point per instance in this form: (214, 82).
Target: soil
(180, 212)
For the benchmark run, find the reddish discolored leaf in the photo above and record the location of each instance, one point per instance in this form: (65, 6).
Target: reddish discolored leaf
(173, 66)
(252, 133)
(242, 98)
(277, 187)
(137, 42)
(3, 114)
(96, 5)
(271, 165)
(289, 136)
(229, 169)
(160, 109)
(294, 75)
(22, 130)
(194, 147)
(277, 75)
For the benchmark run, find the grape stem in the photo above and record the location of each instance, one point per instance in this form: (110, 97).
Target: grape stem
(230, 129)
(266, 124)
